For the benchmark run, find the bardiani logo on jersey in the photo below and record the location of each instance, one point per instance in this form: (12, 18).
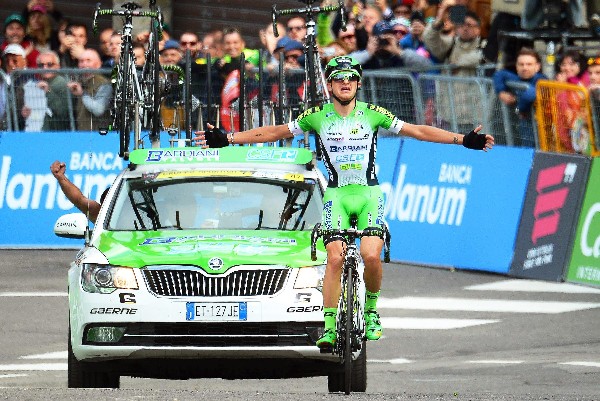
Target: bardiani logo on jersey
(351, 148)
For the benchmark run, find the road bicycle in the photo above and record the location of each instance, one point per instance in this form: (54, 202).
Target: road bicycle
(137, 95)
(350, 344)
(315, 85)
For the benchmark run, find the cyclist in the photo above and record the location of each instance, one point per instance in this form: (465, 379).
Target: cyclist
(347, 130)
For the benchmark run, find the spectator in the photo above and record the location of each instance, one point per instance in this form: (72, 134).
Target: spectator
(72, 45)
(400, 28)
(371, 15)
(296, 28)
(269, 43)
(383, 51)
(571, 67)
(114, 50)
(94, 94)
(14, 33)
(402, 9)
(190, 41)
(528, 67)
(233, 46)
(13, 60)
(39, 29)
(55, 86)
(170, 54)
(48, 5)
(594, 72)
(212, 43)
(104, 49)
(414, 39)
(462, 50)
(347, 39)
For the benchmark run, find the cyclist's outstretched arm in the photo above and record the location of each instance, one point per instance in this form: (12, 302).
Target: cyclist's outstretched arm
(472, 140)
(270, 133)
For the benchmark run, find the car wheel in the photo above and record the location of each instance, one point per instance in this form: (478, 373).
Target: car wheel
(335, 381)
(83, 375)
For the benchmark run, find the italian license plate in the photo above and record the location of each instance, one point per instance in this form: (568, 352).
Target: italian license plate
(216, 311)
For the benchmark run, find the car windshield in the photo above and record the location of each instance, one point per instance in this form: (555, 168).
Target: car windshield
(143, 204)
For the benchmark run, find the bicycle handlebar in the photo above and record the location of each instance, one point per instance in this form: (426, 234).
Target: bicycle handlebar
(351, 234)
(308, 11)
(128, 12)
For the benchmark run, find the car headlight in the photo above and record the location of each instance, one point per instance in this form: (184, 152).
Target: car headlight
(310, 277)
(105, 279)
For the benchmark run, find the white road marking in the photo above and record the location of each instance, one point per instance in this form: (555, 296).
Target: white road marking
(396, 361)
(36, 366)
(33, 294)
(582, 363)
(49, 355)
(12, 375)
(482, 305)
(534, 286)
(409, 323)
(497, 362)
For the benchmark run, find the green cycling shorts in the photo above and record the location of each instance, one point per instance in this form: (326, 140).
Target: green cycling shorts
(366, 202)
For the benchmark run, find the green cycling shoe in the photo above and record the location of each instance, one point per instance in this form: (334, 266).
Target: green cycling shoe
(373, 329)
(327, 340)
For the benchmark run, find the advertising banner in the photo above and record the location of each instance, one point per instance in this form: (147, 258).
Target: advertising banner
(584, 266)
(551, 210)
(30, 197)
(447, 205)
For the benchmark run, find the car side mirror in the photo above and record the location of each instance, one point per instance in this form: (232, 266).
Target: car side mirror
(72, 225)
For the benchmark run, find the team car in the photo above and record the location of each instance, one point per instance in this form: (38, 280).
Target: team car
(199, 265)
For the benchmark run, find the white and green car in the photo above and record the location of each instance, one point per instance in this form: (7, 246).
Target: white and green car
(199, 266)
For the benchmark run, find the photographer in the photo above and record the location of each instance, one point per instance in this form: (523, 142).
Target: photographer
(383, 50)
(72, 45)
(463, 49)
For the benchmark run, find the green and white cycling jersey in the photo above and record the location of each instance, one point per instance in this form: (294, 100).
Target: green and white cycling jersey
(349, 144)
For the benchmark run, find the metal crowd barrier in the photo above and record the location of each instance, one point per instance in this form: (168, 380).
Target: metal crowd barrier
(417, 96)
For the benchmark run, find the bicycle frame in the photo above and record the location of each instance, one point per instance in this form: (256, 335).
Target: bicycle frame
(350, 323)
(129, 90)
(315, 84)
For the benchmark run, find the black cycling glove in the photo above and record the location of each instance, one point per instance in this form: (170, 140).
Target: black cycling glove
(215, 138)
(473, 140)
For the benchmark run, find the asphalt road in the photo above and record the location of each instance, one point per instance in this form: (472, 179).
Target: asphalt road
(448, 335)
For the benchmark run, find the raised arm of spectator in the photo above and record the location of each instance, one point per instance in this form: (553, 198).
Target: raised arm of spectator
(89, 207)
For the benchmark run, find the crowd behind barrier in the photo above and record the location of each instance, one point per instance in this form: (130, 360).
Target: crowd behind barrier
(432, 97)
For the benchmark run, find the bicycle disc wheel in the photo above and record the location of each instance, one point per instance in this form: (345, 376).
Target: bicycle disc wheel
(349, 340)
(126, 99)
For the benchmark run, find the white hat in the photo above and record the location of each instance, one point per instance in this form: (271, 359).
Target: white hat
(14, 48)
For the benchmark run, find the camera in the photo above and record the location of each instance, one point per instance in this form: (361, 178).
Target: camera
(383, 41)
(433, 2)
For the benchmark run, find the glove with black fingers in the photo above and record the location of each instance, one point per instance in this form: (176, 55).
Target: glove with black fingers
(473, 140)
(216, 138)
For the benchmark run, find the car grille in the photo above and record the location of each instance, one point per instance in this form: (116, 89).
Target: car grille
(248, 334)
(194, 283)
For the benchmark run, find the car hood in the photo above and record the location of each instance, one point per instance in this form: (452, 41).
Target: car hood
(232, 247)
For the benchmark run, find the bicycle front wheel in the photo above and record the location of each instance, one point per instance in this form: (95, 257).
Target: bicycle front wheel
(349, 327)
